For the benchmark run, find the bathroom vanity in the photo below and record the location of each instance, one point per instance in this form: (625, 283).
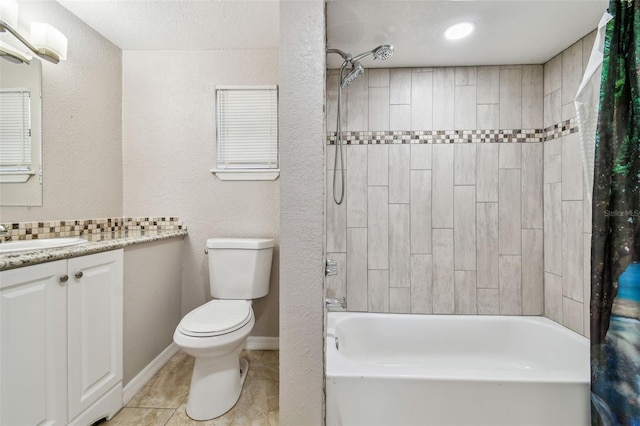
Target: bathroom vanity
(64, 322)
(61, 340)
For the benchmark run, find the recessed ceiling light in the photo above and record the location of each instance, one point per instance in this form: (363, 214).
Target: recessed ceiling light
(459, 31)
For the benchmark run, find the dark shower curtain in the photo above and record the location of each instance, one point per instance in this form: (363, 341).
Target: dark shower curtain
(615, 301)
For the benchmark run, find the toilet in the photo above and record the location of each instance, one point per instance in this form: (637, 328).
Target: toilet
(215, 333)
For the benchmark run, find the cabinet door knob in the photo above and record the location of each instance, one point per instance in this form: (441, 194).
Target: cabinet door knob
(79, 274)
(64, 278)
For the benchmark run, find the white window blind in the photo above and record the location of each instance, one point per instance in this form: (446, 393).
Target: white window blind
(247, 128)
(15, 131)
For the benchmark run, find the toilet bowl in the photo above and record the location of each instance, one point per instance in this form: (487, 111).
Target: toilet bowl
(215, 333)
(218, 372)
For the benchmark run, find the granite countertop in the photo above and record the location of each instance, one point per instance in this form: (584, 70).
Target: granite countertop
(95, 243)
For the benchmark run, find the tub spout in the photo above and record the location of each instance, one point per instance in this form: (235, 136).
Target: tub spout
(336, 303)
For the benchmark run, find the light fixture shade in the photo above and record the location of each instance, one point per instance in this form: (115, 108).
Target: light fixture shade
(9, 12)
(14, 55)
(44, 36)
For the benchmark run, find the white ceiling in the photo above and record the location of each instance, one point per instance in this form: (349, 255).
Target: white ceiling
(507, 31)
(182, 25)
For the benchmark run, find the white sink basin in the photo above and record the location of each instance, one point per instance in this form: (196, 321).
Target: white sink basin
(47, 243)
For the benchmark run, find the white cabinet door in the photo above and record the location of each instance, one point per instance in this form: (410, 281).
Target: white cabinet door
(94, 327)
(33, 357)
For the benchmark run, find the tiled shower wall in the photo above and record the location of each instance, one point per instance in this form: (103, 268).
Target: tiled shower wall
(434, 227)
(460, 98)
(440, 227)
(567, 212)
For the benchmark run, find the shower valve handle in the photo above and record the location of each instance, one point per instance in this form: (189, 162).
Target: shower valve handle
(331, 267)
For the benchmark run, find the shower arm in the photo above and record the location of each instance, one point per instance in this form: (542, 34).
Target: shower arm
(361, 56)
(344, 55)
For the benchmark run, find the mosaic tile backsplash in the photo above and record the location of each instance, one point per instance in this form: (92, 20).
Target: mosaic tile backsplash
(74, 228)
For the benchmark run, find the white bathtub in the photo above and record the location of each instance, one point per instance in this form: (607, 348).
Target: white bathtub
(400, 370)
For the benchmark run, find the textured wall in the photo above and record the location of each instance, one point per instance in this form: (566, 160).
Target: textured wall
(567, 212)
(81, 124)
(440, 227)
(302, 69)
(152, 273)
(169, 148)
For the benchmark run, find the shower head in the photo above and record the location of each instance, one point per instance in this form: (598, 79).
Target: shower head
(383, 52)
(356, 71)
(380, 53)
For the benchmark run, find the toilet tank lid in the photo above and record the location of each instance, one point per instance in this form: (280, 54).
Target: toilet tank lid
(240, 243)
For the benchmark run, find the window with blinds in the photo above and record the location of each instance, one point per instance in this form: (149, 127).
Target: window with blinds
(15, 131)
(247, 128)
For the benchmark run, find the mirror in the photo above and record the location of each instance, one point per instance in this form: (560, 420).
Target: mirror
(21, 109)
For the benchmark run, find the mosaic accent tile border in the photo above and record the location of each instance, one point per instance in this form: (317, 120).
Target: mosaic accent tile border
(75, 228)
(456, 136)
(561, 129)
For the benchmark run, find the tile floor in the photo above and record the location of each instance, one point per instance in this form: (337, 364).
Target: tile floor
(163, 400)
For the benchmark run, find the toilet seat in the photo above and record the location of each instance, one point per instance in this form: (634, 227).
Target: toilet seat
(216, 317)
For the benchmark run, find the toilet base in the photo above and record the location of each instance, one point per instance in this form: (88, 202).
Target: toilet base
(216, 384)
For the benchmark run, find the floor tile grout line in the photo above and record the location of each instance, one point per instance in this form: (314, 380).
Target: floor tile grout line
(171, 416)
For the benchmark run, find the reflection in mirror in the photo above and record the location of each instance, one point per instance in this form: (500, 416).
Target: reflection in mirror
(20, 133)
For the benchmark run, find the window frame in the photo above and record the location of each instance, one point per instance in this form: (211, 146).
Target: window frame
(20, 171)
(246, 171)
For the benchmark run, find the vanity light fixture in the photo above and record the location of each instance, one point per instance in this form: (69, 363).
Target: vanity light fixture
(14, 55)
(46, 42)
(458, 31)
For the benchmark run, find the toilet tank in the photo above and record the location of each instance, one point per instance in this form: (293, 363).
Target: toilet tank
(239, 268)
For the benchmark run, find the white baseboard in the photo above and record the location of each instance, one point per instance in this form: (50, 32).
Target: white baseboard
(143, 377)
(262, 343)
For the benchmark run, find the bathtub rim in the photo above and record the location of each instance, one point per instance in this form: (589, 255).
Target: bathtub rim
(342, 366)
